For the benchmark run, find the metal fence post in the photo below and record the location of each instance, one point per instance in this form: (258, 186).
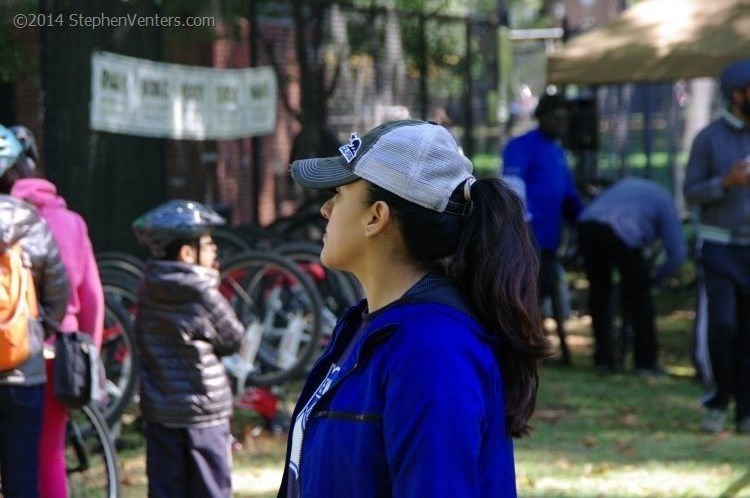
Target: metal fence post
(468, 141)
(424, 98)
(255, 142)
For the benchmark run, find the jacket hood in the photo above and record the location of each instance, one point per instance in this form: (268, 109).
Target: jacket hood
(16, 219)
(177, 282)
(39, 192)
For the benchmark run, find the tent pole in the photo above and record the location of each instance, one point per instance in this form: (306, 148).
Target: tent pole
(648, 131)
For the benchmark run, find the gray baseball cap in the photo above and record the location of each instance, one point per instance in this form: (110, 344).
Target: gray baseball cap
(417, 160)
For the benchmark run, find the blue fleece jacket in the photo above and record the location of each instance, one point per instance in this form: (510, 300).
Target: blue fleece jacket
(535, 166)
(416, 409)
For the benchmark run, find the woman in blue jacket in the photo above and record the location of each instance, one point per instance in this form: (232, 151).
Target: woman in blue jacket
(425, 382)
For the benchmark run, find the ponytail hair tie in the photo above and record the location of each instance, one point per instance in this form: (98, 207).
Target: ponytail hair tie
(467, 188)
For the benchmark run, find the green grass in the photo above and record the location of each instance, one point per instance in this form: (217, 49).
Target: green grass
(626, 436)
(617, 436)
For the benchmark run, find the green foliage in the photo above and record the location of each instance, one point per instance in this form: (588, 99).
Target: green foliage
(448, 7)
(11, 58)
(12, 63)
(486, 165)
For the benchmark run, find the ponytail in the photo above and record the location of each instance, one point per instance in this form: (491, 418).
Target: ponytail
(495, 267)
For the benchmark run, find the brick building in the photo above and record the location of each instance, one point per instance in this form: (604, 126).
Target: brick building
(219, 172)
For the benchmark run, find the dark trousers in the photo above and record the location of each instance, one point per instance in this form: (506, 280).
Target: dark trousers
(549, 285)
(726, 271)
(20, 427)
(603, 251)
(188, 462)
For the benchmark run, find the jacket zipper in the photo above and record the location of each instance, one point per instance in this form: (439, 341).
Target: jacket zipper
(338, 381)
(312, 415)
(353, 417)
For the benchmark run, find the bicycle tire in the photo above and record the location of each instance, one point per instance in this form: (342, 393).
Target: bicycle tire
(90, 458)
(310, 228)
(242, 282)
(120, 357)
(228, 244)
(123, 294)
(341, 287)
(126, 281)
(120, 260)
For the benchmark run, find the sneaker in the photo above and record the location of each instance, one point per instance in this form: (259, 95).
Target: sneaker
(743, 427)
(654, 372)
(714, 421)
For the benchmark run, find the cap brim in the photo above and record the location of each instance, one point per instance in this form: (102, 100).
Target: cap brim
(322, 173)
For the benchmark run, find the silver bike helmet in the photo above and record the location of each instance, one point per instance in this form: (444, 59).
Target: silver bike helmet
(173, 220)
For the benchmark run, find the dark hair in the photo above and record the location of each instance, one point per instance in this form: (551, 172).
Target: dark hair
(25, 167)
(494, 264)
(172, 250)
(548, 103)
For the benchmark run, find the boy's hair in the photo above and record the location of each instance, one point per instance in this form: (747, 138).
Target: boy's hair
(172, 250)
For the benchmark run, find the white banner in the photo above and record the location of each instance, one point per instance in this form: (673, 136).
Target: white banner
(153, 99)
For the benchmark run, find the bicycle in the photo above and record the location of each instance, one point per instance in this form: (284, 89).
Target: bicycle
(90, 458)
(338, 289)
(121, 274)
(120, 357)
(281, 309)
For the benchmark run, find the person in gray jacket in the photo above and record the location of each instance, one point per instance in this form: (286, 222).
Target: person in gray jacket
(22, 388)
(182, 328)
(717, 185)
(618, 229)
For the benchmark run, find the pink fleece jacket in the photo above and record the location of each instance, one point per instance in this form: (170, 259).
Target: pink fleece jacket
(86, 304)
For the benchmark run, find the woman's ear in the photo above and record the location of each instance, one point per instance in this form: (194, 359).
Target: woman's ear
(378, 218)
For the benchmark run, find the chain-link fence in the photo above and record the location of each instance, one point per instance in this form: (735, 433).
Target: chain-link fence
(377, 64)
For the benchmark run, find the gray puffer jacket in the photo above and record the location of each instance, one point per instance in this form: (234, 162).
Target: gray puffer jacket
(183, 326)
(20, 221)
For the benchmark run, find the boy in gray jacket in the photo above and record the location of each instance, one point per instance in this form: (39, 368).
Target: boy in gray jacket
(183, 327)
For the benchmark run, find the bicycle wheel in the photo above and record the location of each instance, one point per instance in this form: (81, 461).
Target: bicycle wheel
(90, 458)
(122, 294)
(271, 293)
(119, 356)
(334, 283)
(113, 278)
(120, 261)
(228, 244)
(335, 287)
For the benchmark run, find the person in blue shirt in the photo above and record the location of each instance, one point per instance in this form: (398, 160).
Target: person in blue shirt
(617, 230)
(425, 382)
(534, 165)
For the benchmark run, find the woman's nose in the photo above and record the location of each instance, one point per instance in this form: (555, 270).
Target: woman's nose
(325, 209)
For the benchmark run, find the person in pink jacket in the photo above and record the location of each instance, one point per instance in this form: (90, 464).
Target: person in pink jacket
(85, 311)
